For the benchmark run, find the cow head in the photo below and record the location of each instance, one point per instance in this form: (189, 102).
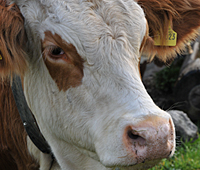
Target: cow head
(79, 63)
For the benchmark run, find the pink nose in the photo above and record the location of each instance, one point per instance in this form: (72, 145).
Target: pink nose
(150, 139)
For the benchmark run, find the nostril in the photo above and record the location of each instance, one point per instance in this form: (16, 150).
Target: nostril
(135, 138)
(132, 135)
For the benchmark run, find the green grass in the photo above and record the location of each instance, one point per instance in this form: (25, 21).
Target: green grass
(186, 157)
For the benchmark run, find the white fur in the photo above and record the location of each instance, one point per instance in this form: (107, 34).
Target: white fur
(85, 124)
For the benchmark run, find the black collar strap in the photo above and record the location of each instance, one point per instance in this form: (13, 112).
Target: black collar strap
(27, 117)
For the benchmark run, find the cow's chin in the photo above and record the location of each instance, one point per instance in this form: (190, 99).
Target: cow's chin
(140, 166)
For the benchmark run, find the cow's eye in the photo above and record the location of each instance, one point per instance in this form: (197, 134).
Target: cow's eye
(57, 51)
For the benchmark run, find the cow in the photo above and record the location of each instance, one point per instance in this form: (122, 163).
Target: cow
(78, 61)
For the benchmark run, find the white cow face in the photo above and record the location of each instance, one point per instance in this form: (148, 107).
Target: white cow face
(83, 83)
(84, 86)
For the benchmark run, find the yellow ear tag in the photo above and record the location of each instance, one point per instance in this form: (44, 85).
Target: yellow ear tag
(1, 58)
(171, 39)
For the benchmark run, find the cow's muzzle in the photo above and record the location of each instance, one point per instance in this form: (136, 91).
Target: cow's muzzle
(150, 139)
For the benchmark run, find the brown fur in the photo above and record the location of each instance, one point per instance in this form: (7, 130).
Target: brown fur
(70, 72)
(14, 154)
(12, 40)
(182, 15)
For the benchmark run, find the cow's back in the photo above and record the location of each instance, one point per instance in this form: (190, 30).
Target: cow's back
(13, 147)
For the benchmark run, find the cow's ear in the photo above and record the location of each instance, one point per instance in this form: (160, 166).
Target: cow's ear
(12, 41)
(182, 16)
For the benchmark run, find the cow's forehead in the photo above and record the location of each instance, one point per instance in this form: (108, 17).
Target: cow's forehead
(84, 23)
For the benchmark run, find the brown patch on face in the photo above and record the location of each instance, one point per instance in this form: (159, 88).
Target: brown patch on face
(63, 62)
